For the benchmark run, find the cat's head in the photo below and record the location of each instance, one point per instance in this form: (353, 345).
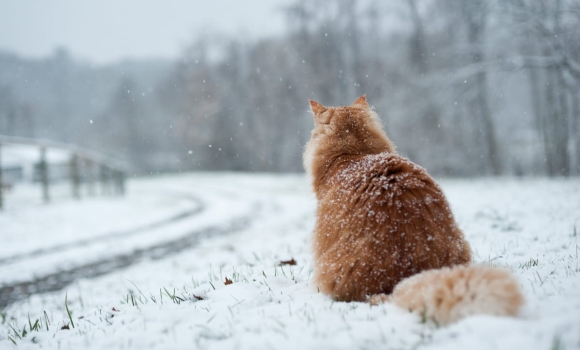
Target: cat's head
(347, 130)
(356, 124)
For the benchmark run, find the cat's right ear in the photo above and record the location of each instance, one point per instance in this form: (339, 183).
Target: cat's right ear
(316, 107)
(361, 101)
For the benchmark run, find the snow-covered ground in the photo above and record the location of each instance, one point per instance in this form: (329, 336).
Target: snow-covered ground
(240, 227)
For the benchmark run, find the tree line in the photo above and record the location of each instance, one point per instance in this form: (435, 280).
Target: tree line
(464, 88)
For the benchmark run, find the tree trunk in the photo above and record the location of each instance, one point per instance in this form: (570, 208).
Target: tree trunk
(538, 108)
(555, 127)
(477, 17)
(575, 129)
(562, 136)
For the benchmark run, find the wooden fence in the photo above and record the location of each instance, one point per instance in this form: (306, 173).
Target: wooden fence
(83, 167)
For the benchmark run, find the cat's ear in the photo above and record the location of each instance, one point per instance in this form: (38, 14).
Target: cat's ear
(316, 107)
(361, 101)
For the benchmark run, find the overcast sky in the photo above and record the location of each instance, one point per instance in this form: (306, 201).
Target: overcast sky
(105, 31)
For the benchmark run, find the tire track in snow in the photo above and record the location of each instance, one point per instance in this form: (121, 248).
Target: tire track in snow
(56, 281)
(199, 208)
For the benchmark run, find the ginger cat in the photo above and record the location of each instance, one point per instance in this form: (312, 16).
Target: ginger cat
(382, 219)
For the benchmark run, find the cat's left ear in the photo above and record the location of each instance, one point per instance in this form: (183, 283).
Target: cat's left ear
(361, 101)
(316, 107)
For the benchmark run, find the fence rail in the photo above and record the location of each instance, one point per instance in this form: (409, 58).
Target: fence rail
(84, 167)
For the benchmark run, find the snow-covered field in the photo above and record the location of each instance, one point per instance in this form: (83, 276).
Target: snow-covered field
(185, 236)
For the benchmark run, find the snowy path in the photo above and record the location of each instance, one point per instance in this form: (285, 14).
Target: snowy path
(29, 226)
(181, 300)
(94, 253)
(82, 242)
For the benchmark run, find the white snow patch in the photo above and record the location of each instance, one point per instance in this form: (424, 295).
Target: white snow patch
(528, 226)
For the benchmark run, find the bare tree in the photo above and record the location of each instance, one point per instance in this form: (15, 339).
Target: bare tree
(555, 88)
(475, 14)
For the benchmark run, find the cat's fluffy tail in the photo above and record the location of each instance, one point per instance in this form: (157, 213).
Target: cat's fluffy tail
(449, 294)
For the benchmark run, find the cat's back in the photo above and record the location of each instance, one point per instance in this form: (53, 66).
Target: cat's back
(380, 179)
(387, 197)
(383, 217)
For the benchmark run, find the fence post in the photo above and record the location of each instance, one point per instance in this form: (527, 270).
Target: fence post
(104, 177)
(43, 168)
(90, 166)
(75, 176)
(1, 182)
(122, 178)
(120, 182)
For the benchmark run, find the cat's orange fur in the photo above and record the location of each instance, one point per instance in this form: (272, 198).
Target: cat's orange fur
(449, 294)
(380, 217)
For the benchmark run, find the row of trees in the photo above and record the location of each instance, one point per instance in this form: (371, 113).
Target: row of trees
(464, 87)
